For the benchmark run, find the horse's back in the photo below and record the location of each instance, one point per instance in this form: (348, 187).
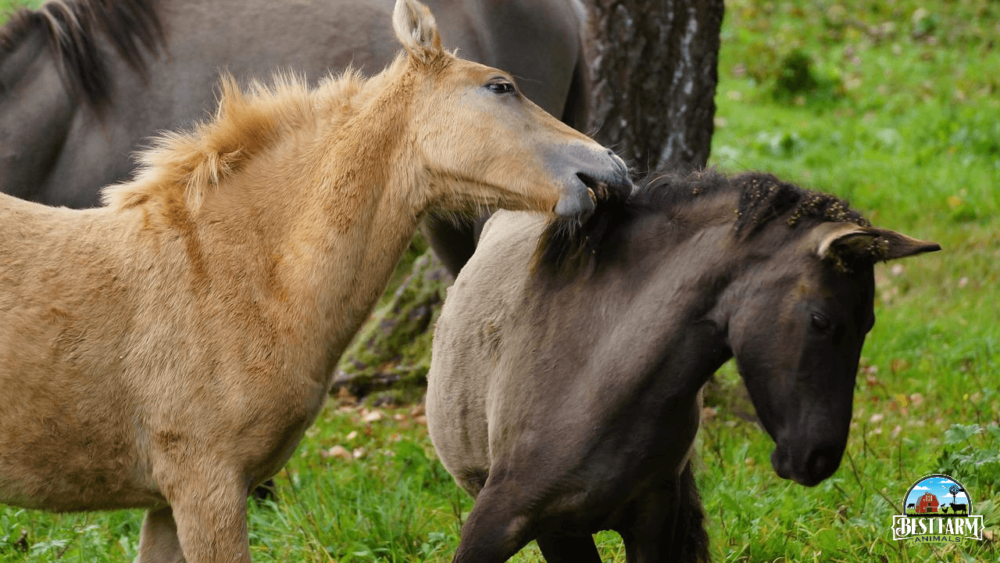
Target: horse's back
(54, 263)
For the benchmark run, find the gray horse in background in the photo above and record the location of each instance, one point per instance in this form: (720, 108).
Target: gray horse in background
(564, 385)
(86, 82)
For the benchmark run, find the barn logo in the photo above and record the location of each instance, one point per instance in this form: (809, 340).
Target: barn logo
(937, 509)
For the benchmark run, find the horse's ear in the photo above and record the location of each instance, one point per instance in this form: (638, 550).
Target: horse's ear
(898, 245)
(849, 242)
(417, 31)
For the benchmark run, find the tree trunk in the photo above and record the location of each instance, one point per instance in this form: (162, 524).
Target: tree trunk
(653, 77)
(653, 65)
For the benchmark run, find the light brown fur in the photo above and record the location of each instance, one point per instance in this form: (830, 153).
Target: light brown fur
(169, 350)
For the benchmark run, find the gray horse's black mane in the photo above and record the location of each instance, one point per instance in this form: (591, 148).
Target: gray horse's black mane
(72, 26)
(566, 247)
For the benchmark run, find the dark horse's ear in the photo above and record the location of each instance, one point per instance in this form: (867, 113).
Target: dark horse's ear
(847, 243)
(417, 31)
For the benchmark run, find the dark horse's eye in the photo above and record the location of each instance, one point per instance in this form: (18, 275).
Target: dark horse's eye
(820, 321)
(501, 86)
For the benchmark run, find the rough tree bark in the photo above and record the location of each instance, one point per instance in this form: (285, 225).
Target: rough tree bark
(652, 88)
(654, 70)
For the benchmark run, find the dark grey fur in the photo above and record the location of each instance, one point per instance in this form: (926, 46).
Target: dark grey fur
(132, 26)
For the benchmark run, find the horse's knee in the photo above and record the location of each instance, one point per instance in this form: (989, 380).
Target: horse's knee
(158, 542)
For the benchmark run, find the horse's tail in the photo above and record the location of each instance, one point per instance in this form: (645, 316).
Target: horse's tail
(691, 517)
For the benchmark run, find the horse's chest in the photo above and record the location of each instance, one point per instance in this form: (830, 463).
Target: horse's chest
(277, 425)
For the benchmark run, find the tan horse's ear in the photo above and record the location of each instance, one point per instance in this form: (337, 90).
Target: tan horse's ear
(848, 242)
(417, 31)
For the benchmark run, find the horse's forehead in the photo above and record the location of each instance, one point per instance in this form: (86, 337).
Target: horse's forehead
(464, 70)
(815, 281)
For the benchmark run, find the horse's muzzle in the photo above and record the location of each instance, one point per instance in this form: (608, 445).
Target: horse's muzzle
(810, 469)
(593, 178)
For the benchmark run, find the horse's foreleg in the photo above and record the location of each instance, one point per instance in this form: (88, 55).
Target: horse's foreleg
(212, 522)
(158, 542)
(569, 549)
(690, 529)
(496, 529)
(667, 524)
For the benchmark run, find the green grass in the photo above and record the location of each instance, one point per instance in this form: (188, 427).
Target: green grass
(7, 6)
(893, 105)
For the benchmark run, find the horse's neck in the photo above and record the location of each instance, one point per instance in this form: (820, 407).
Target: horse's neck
(707, 269)
(345, 205)
(680, 268)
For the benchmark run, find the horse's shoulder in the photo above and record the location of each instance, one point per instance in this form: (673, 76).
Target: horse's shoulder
(476, 309)
(503, 254)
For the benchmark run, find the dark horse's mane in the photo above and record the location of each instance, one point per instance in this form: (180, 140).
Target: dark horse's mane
(566, 247)
(72, 26)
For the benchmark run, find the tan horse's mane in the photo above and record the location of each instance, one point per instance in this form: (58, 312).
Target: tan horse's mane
(188, 166)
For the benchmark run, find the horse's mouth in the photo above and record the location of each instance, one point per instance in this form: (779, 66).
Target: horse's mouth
(606, 189)
(811, 470)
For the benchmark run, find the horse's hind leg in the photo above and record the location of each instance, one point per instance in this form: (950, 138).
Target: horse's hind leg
(569, 549)
(158, 542)
(691, 521)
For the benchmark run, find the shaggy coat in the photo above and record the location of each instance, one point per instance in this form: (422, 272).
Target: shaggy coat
(564, 384)
(86, 83)
(169, 350)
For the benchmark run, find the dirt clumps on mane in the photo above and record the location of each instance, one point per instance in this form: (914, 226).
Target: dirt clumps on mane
(72, 26)
(764, 198)
(567, 247)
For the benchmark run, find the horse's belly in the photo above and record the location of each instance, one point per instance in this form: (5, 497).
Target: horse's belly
(65, 442)
(40, 467)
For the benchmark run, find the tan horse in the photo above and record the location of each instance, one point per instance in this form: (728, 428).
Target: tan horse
(168, 351)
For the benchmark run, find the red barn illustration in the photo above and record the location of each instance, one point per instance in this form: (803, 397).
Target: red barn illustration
(927, 503)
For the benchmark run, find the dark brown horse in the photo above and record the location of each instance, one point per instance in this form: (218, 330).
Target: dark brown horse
(86, 82)
(567, 362)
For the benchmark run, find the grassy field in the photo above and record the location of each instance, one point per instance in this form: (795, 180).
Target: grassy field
(894, 105)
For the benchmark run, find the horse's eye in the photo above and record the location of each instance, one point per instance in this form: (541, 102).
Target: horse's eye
(819, 321)
(501, 86)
